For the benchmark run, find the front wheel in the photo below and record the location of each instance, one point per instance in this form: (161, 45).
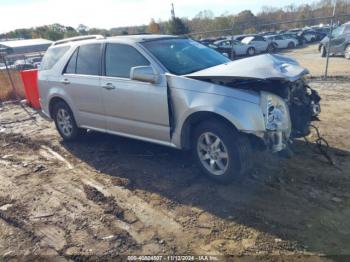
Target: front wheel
(221, 152)
(347, 52)
(65, 122)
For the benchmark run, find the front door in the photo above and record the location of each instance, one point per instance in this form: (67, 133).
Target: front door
(132, 107)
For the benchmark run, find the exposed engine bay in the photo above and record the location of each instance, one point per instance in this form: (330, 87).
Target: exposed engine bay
(303, 101)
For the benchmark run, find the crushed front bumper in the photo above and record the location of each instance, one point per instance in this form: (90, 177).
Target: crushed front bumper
(276, 141)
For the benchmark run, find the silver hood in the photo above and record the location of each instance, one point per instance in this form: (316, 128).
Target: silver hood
(267, 66)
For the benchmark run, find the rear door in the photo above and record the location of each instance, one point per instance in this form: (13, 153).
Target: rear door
(338, 42)
(81, 80)
(260, 43)
(225, 47)
(240, 48)
(133, 108)
(281, 43)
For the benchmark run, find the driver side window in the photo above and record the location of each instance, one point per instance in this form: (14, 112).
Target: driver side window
(120, 58)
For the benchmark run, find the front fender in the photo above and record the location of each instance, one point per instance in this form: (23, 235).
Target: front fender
(244, 114)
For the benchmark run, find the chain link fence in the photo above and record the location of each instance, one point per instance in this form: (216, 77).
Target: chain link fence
(308, 51)
(11, 85)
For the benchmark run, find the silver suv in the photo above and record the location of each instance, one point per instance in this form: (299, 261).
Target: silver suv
(176, 92)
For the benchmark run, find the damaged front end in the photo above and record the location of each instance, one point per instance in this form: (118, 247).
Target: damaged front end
(276, 78)
(303, 102)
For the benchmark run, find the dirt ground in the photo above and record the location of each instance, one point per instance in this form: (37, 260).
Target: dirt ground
(309, 57)
(107, 196)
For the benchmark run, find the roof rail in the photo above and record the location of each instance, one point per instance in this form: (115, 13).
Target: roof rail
(78, 38)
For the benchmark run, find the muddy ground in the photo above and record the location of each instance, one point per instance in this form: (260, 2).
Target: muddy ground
(107, 195)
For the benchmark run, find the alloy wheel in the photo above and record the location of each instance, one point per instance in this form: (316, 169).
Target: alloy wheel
(347, 52)
(213, 153)
(251, 51)
(64, 122)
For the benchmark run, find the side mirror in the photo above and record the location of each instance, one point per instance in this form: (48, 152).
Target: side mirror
(143, 74)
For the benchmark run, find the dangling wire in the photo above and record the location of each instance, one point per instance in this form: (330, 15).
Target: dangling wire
(322, 146)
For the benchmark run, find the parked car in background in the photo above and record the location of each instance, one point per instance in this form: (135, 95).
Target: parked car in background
(22, 65)
(268, 33)
(36, 64)
(178, 93)
(33, 60)
(309, 35)
(282, 42)
(300, 39)
(321, 33)
(340, 42)
(260, 44)
(239, 48)
(240, 37)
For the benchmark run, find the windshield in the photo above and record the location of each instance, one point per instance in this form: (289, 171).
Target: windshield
(184, 56)
(338, 31)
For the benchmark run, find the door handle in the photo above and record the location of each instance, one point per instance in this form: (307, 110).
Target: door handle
(108, 86)
(65, 81)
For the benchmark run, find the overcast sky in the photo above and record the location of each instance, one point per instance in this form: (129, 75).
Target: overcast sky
(114, 13)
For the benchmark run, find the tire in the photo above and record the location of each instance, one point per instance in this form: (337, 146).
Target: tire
(323, 51)
(251, 51)
(291, 45)
(347, 52)
(224, 161)
(65, 122)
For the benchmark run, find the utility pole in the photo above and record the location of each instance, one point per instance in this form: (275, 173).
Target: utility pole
(330, 40)
(172, 11)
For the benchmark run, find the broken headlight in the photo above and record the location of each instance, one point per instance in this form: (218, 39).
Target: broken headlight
(276, 113)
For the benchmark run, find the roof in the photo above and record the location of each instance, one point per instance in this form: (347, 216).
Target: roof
(76, 41)
(141, 38)
(26, 42)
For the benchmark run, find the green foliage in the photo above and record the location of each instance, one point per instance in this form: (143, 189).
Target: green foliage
(176, 26)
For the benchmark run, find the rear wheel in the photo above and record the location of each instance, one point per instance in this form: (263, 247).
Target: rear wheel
(221, 152)
(347, 52)
(291, 45)
(251, 51)
(65, 122)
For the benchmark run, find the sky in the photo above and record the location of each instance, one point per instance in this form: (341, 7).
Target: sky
(114, 13)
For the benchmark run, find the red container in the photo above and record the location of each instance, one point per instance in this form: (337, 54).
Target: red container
(30, 82)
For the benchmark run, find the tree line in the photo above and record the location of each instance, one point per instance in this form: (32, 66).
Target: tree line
(243, 22)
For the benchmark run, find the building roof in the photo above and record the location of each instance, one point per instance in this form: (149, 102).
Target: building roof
(26, 42)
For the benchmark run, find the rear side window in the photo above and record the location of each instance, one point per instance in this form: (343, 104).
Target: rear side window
(259, 38)
(72, 64)
(88, 61)
(121, 58)
(52, 56)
